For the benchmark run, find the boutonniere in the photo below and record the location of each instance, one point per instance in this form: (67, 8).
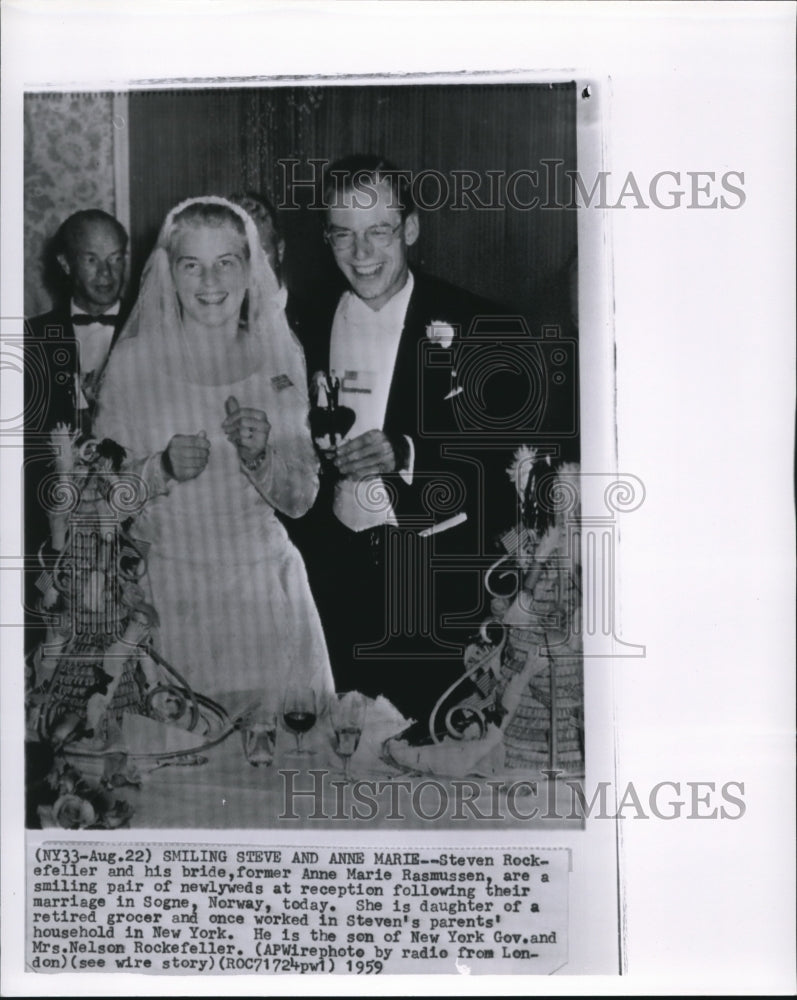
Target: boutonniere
(440, 333)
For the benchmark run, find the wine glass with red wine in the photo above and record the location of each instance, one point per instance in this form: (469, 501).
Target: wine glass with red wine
(299, 713)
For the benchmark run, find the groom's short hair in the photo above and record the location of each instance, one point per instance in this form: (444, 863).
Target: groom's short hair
(364, 172)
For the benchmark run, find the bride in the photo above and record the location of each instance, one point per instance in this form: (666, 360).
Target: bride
(206, 391)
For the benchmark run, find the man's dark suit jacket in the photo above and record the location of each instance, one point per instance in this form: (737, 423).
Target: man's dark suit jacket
(481, 418)
(51, 363)
(456, 470)
(416, 405)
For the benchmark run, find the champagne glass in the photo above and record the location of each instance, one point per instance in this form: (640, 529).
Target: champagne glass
(347, 714)
(299, 713)
(259, 735)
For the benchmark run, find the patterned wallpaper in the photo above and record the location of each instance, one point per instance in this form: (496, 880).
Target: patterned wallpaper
(69, 165)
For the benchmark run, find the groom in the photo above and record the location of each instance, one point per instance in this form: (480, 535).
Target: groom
(392, 543)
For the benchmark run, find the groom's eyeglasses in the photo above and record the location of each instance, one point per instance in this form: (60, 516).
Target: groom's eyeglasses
(377, 236)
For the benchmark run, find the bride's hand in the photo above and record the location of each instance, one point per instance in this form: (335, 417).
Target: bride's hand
(186, 456)
(247, 428)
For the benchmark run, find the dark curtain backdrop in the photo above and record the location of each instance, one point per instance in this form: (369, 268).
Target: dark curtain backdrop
(194, 142)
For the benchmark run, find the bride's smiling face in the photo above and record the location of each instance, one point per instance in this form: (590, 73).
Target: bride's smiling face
(211, 273)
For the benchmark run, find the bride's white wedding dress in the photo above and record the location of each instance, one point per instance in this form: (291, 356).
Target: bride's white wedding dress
(231, 590)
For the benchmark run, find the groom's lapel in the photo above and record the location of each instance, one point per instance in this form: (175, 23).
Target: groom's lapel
(405, 388)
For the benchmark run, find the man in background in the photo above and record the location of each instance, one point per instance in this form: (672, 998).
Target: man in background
(264, 216)
(68, 347)
(66, 351)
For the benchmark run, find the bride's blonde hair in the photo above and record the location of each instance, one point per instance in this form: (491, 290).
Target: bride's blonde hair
(200, 214)
(156, 322)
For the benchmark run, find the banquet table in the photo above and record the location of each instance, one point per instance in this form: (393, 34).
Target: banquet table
(216, 787)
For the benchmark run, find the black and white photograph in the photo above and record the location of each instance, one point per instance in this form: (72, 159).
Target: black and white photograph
(302, 452)
(396, 436)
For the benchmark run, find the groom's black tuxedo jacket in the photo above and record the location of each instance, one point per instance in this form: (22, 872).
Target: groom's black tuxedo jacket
(422, 403)
(458, 404)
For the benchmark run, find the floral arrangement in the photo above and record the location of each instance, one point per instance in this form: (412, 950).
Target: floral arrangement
(519, 701)
(98, 695)
(64, 797)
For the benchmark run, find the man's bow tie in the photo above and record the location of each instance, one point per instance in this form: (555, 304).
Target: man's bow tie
(86, 319)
